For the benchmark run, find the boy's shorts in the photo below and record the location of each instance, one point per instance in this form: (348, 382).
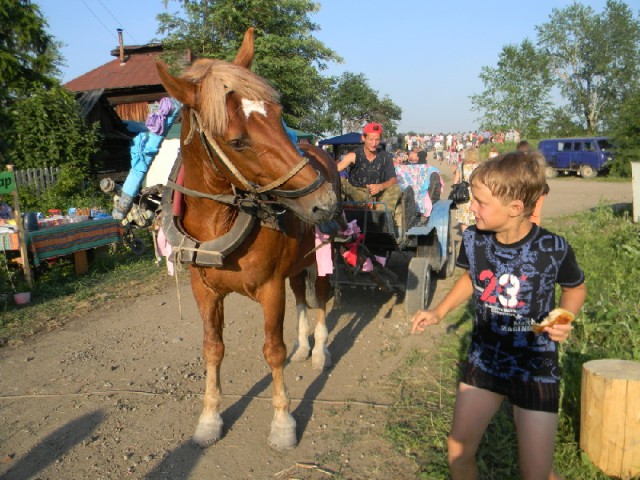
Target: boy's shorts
(538, 396)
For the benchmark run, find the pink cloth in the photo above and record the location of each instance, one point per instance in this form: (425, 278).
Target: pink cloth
(165, 249)
(324, 261)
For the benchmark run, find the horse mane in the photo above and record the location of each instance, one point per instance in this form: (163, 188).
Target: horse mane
(218, 78)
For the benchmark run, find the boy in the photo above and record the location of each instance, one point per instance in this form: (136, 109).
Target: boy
(512, 267)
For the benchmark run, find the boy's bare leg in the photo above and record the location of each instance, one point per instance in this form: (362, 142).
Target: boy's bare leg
(472, 413)
(536, 441)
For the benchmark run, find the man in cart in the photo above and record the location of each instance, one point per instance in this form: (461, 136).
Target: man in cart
(372, 177)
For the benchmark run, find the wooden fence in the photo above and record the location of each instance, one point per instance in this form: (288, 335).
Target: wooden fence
(39, 179)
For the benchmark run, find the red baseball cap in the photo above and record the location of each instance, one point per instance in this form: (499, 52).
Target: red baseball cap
(372, 128)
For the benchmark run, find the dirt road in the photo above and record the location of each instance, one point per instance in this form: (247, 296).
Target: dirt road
(117, 394)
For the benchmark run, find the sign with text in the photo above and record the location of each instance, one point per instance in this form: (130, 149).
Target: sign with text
(7, 182)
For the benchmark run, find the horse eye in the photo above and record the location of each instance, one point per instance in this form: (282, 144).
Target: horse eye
(237, 144)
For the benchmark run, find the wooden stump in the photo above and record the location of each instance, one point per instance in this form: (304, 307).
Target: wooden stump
(610, 416)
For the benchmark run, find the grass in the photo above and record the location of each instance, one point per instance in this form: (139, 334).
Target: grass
(60, 294)
(607, 245)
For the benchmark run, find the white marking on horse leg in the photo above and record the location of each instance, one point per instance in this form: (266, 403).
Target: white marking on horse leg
(250, 106)
(283, 426)
(301, 347)
(283, 431)
(209, 429)
(320, 357)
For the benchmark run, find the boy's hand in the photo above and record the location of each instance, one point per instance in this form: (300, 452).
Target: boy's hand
(558, 333)
(424, 318)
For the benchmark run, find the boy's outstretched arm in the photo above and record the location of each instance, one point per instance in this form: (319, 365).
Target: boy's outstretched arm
(461, 291)
(572, 299)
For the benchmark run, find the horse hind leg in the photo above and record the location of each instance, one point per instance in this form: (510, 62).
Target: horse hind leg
(319, 287)
(301, 347)
(320, 356)
(210, 424)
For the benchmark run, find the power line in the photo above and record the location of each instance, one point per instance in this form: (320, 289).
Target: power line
(118, 22)
(99, 20)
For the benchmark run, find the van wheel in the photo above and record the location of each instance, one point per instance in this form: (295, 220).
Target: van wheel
(550, 172)
(586, 171)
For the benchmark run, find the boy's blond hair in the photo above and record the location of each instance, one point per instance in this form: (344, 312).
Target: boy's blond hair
(513, 176)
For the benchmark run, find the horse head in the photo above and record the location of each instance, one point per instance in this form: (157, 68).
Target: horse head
(237, 113)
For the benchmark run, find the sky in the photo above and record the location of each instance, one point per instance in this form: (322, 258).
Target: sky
(426, 55)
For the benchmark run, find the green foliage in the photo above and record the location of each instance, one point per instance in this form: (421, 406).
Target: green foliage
(625, 136)
(286, 53)
(352, 102)
(595, 57)
(28, 55)
(607, 246)
(48, 130)
(516, 92)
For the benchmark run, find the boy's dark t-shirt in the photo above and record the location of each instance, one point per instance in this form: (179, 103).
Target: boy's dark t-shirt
(514, 286)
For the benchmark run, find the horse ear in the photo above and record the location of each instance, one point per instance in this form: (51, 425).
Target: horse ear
(182, 90)
(244, 57)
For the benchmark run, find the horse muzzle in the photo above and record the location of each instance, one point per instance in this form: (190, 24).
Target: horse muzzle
(319, 206)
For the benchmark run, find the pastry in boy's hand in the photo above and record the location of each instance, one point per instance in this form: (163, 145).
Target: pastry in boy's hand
(559, 316)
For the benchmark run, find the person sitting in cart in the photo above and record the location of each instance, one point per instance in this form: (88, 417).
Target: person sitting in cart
(372, 177)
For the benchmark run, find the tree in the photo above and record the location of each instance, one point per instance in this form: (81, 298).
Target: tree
(562, 123)
(353, 102)
(286, 53)
(516, 92)
(625, 135)
(28, 56)
(595, 58)
(48, 130)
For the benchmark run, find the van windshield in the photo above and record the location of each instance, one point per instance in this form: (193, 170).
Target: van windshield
(605, 145)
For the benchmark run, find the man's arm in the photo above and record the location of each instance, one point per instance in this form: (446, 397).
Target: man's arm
(349, 159)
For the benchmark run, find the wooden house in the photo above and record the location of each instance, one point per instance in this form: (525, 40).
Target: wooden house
(118, 91)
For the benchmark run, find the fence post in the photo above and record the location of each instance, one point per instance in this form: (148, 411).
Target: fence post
(22, 237)
(635, 185)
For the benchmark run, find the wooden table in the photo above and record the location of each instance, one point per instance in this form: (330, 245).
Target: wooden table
(68, 239)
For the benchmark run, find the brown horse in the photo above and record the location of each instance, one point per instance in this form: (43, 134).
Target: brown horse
(233, 140)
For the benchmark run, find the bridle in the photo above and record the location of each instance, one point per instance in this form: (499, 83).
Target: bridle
(252, 203)
(213, 150)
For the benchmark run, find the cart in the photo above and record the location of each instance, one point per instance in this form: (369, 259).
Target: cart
(424, 250)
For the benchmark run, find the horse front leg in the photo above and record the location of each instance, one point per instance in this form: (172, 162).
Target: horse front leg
(283, 426)
(211, 307)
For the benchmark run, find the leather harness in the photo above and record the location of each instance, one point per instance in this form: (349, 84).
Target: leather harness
(253, 203)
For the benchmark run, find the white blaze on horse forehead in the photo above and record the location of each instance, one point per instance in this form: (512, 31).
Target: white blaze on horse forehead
(250, 106)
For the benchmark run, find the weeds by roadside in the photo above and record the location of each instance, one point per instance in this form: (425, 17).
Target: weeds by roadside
(607, 245)
(60, 295)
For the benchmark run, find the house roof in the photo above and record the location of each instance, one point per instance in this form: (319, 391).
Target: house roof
(138, 69)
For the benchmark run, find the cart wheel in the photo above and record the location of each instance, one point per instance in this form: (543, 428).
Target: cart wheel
(450, 262)
(419, 286)
(137, 246)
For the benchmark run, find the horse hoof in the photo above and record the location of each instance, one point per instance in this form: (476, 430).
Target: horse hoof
(300, 354)
(321, 360)
(283, 435)
(208, 431)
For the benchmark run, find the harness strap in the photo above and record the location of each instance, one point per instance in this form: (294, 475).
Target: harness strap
(210, 144)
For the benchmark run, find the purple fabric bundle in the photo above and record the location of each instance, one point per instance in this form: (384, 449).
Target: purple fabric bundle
(156, 121)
